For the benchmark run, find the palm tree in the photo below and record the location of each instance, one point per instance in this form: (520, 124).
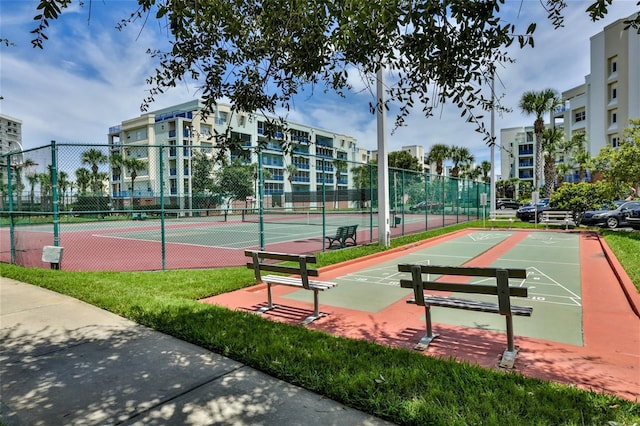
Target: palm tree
(18, 174)
(291, 172)
(552, 146)
(537, 103)
(93, 158)
(561, 170)
(133, 166)
(33, 181)
(485, 169)
(45, 188)
(63, 184)
(83, 178)
(438, 154)
(581, 156)
(459, 155)
(339, 165)
(115, 161)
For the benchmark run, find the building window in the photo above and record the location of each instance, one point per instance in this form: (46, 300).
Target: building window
(615, 141)
(613, 65)
(614, 117)
(580, 116)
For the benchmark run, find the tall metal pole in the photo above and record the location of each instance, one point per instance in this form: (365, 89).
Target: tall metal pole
(492, 181)
(163, 241)
(190, 129)
(384, 232)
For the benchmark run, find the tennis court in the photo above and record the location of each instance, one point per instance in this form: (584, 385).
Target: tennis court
(194, 242)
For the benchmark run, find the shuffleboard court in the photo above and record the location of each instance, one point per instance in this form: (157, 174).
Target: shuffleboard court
(381, 284)
(552, 261)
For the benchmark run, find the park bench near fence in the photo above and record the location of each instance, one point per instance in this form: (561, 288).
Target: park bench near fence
(550, 217)
(502, 216)
(301, 279)
(138, 216)
(501, 289)
(343, 235)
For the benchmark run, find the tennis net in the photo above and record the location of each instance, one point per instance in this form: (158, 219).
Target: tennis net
(311, 217)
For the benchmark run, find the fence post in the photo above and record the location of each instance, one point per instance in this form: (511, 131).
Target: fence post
(163, 247)
(10, 200)
(261, 198)
(54, 194)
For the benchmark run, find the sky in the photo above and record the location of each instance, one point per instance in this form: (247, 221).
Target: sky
(91, 76)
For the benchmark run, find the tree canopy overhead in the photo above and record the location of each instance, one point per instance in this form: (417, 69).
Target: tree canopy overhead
(260, 54)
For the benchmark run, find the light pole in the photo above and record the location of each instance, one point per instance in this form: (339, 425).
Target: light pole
(190, 189)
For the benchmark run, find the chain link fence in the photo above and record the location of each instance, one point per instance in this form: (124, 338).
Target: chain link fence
(144, 207)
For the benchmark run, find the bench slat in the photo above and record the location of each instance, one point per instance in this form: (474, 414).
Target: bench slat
(289, 270)
(465, 288)
(464, 271)
(296, 282)
(280, 256)
(472, 305)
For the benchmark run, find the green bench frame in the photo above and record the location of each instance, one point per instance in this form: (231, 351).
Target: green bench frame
(500, 289)
(343, 235)
(301, 280)
(138, 216)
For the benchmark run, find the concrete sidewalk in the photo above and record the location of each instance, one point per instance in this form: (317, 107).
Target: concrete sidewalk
(67, 362)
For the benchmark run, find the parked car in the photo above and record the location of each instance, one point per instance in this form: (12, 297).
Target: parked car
(633, 218)
(507, 203)
(431, 205)
(527, 212)
(610, 218)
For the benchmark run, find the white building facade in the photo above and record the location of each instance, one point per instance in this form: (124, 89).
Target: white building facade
(10, 141)
(181, 130)
(601, 107)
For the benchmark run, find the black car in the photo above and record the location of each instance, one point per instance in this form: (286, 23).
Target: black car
(527, 212)
(610, 218)
(506, 203)
(633, 218)
(431, 205)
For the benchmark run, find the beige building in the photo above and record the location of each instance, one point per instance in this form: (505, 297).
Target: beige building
(181, 130)
(10, 141)
(601, 107)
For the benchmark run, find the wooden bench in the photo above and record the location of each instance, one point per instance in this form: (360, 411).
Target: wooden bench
(343, 235)
(500, 289)
(301, 279)
(550, 217)
(502, 216)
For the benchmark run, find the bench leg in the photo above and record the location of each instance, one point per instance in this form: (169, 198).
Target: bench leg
(429, 337)
(270, 304)
(509, 356)
(316, 310)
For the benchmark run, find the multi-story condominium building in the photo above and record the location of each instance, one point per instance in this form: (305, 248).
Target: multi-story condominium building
(10, 141)
(181, 130)
(610, 96)
(517, 153)
(10, 134)
(601, 107)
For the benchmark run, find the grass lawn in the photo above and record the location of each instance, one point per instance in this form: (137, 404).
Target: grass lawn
(400, 385)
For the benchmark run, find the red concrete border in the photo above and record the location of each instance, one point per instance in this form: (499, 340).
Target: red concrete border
(629, 289)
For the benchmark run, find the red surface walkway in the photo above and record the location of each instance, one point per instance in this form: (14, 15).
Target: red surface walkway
(609, 361)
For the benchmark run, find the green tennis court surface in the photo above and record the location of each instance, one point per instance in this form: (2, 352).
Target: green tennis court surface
(552, 261)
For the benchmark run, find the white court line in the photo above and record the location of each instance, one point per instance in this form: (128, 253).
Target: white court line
(546, 261)
(556, 282)
(167, 242)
